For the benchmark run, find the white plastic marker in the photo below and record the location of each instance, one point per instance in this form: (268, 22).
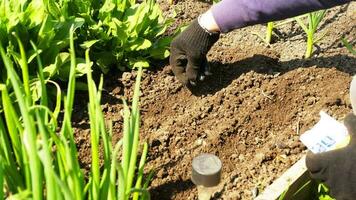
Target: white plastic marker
(328, 133)
(353, 94)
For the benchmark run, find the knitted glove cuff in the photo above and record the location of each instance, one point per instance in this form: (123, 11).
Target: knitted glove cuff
(198, 39)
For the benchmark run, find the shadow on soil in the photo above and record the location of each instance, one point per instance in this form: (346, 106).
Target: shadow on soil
(224, 74)
(169, 189)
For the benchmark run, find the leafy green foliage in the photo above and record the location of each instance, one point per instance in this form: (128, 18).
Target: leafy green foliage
(310, 189)
(323, 192)
(120, 33)
(31, 21)
(125, 34)
(39, 159)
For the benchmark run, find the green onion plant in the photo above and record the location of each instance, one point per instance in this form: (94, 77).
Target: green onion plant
(39, 159)
(314, 19)
(268, 35)
(348, 46)
(270, 27)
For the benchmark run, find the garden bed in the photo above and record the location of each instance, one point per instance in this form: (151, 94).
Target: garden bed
(250, 113)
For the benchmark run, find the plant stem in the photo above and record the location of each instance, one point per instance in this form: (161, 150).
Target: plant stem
(94, 131)
(269, 32)
(310, 43)
(140, 170)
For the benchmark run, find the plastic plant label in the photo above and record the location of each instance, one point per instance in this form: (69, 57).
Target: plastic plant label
(326, 135)
(353, 94)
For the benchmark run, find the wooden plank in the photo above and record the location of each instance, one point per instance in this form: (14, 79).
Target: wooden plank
(292, 180)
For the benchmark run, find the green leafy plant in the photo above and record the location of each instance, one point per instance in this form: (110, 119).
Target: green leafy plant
(309, 189)
(314, 19)
(38, 159)
(323, 192)
(32, 21)
(122, 34)
(125, 34)
(348, 46)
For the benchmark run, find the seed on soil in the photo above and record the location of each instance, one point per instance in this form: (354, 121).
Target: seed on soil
(199, 142)
(241, 157)
(259, 157)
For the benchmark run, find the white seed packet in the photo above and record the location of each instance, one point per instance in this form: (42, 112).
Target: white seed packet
(325, 135)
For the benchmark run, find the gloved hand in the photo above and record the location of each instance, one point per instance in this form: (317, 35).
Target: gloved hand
(188, 53)
(337, 168)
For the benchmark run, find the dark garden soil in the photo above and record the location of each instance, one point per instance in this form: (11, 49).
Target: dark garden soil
(250, 112)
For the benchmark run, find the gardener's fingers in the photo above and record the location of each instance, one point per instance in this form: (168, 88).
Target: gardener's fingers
(317, 165)
(194, 68)
(189, 69)
(197, 68)
(178, 62)
(204, 70)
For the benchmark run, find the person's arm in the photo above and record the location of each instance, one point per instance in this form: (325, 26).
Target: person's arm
(189, 48)
(233, 14)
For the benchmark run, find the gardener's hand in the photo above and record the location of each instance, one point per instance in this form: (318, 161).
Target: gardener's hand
(188, 52)
(337, 168)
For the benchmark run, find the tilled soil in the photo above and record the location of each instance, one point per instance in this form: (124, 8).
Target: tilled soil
(250, 112)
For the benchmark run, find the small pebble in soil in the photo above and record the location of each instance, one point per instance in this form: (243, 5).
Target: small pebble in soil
(281, 145)
(126, 76)
(162, 173)
(259, 157)
(241, 157)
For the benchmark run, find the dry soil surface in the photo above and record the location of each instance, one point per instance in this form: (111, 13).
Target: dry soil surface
(250, 112)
